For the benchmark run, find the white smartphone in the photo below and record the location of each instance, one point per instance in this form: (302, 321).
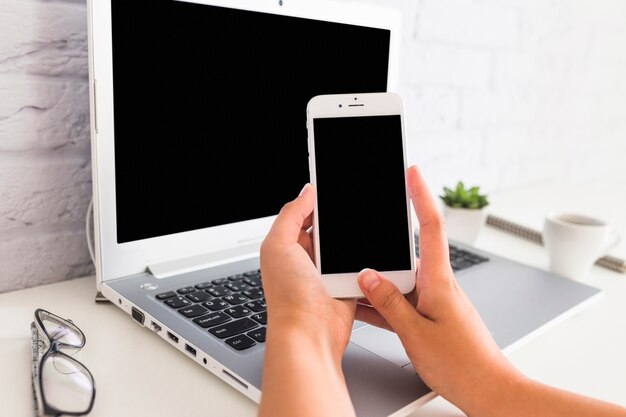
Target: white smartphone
(362, 218)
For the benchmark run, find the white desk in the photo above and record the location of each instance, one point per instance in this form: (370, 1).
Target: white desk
(587, 352)
(137, 374)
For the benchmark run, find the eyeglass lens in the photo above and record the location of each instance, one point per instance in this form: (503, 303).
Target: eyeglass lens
(61, 331)
(66, 384)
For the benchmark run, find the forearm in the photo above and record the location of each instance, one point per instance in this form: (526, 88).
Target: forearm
(524, 397)
(302, 377)
(542, 400)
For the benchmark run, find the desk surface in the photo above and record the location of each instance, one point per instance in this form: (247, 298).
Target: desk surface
(137, 374)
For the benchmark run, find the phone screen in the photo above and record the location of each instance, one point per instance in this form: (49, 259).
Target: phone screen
(362, 210)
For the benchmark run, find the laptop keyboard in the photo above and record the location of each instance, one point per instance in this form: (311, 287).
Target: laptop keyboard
(231, 308)
(459, 258)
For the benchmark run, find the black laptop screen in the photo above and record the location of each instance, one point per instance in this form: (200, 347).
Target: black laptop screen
(210, 108)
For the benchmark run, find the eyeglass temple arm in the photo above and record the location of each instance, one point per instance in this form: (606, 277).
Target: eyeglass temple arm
(35, 352)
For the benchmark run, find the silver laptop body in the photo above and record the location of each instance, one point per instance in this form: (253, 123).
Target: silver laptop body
(515, 301)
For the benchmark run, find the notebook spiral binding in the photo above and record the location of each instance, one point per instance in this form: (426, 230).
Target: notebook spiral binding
(610, 262)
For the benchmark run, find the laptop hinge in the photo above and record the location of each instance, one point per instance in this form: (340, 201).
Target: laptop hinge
(207, 260)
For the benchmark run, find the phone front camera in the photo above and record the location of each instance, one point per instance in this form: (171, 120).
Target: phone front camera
(340, 106)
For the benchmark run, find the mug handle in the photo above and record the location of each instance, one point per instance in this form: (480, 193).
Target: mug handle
(614, 241)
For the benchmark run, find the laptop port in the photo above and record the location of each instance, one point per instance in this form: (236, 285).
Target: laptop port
(137, 315)
(172, 337)
(234, 378)
(155, 326)
(189, 349)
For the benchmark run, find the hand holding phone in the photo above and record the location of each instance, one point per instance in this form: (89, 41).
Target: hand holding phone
(357, 161)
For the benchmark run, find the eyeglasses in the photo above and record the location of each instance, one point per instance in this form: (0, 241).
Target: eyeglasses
(61, 384)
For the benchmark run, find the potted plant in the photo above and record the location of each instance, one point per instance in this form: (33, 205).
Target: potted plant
(464, 212)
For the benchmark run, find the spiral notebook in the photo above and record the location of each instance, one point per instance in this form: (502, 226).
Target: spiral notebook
(610, 262)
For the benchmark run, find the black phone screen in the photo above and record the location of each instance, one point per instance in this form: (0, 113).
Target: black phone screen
(361, 192)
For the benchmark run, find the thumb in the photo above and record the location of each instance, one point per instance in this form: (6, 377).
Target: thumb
(292, 218)
(385, 297)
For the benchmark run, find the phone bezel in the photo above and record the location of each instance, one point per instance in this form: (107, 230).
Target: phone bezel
(345, 285)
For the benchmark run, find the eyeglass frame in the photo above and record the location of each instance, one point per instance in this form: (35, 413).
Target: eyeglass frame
(54, 348)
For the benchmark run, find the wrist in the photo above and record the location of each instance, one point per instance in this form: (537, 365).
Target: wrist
(308, 326)
(304, 341)
(497, 392)
(290, 353)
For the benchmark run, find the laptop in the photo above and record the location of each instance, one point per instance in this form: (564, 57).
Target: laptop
(198, 112)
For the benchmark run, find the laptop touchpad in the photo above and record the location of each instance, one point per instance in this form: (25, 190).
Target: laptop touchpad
(382, 343)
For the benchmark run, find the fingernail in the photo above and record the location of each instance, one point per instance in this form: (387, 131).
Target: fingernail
(306, 186)
(368, 279)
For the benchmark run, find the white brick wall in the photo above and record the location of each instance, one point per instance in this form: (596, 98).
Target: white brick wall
(499, 93)
(503, 93)
(45, 173)
(468, 23)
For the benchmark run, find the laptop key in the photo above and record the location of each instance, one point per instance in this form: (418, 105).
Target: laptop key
(255, 273)
(212, 319)
(241, 342)
(235, 299)
(253, 293)
(460, 264)
(258, 334)
(260, 317)
(218, 291)
(198, 296)
(236, 277)
(237, 286)
(186, 290)
(477, 259)
(192, 311)
(234, 327)
(204, 285)
(216, 304)
(237, 311)
(256, 306)
(220, 281)
(165, 295)
(468, 260)
(253, 281)
(177, 302)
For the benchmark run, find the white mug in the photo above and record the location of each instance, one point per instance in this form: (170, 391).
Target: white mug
(574, 242)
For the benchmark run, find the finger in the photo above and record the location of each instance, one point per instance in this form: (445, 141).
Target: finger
(389, 302)
(412, 296)
(350, 302)
(363, 301)
(293, 217)
(308, 222)
(368, 314)
(304, 239)
(433, 240)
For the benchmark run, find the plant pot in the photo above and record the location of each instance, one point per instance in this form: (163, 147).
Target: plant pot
(464, 224)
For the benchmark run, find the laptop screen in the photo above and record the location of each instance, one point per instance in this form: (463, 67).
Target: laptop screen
(210, 108)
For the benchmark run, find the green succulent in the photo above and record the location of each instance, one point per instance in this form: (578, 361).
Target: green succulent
(461, 197)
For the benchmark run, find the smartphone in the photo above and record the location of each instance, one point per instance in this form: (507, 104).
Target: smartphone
(357, 163)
